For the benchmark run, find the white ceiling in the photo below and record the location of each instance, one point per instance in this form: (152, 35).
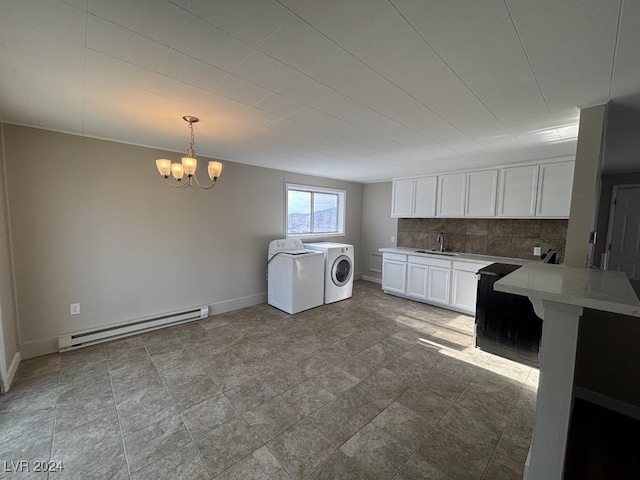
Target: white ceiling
(362, 90)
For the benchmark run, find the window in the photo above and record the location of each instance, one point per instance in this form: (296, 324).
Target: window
(314, 211)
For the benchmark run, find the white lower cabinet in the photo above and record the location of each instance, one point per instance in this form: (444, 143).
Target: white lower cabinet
(417, 281)
(394, 273)
(428, 279)
(438, 285)
(465, 290)
(465, 285)
(449, 284)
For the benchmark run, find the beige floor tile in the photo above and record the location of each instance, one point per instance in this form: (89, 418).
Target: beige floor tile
(445, 456)
(250, 394)
(183, 463)
(227, 445)
(338, 467)
(208, 415)
(153, 443)
(404, 425)
(377, 453)
(377, 375)
(336, 380)
(473, 425)
(300, 449)
(272, 417)
(260, 465)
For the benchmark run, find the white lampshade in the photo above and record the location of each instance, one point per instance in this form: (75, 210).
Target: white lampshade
(189, 164)
(177, 170)
(164, 166)
(215, 169)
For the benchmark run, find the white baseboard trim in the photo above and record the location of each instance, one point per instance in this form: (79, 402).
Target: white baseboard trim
(357, 276)
(237, 303)
(37, 348)
(46, 346)
(11, 373)
(607, 402)
(372, 279)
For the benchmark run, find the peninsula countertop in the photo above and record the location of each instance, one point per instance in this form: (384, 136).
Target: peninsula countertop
(559, 294)
(604, 290)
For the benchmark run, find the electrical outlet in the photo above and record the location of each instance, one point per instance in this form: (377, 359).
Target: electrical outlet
(537, 251)
(74, 309)
(393, 239)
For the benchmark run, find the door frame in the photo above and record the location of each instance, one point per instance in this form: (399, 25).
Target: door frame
(612, 211)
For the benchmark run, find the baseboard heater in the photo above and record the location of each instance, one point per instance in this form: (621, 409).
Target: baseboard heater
(84, 338)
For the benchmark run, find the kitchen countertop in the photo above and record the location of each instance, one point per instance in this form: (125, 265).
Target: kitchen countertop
(604, 290)
(469, 257)
(559, 293)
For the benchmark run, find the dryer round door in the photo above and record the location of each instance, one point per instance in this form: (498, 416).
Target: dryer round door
(341, 270)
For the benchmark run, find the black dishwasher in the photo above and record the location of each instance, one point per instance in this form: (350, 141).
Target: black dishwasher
(506, 324)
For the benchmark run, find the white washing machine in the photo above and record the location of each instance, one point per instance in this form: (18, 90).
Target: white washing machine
(338, 269)
(295, 276)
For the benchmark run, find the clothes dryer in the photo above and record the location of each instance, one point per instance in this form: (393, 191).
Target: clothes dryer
(338, 269)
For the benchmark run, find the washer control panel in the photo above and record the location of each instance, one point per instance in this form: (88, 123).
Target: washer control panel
(285, 244)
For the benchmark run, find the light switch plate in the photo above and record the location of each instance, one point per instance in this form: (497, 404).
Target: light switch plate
(537, 251)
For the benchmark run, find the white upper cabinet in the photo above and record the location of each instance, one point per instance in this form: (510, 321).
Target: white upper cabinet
(451, 190)
(402, 200)
(425, 197)
(523, 191)
(554, 189)
(517, 196)
(481, 191)
(414, 197)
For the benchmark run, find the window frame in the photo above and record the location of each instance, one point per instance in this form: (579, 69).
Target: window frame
(341, 212)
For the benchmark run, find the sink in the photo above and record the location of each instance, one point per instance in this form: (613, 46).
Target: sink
(435, 252)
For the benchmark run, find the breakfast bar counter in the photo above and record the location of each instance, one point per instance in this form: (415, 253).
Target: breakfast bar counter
(559, 294)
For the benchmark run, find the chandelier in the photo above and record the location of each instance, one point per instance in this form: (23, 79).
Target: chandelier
(188, 165)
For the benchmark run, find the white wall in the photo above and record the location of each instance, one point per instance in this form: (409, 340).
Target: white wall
(622, 142)
(377, 226)
(7, 304)
(93, 222)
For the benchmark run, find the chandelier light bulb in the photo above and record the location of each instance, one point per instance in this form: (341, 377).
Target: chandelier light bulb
(215, 169)
(177, 170)
(189, 164)
(164, 167)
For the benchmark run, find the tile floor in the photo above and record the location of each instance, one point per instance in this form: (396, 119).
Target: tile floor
(374, 387)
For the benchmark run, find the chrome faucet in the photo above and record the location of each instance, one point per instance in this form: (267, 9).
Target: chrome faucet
(440, 240)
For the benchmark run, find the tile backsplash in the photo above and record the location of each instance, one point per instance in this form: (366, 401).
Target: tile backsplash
(500, 237)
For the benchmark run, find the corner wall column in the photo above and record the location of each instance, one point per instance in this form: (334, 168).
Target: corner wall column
(586, 178)
(555, 391)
